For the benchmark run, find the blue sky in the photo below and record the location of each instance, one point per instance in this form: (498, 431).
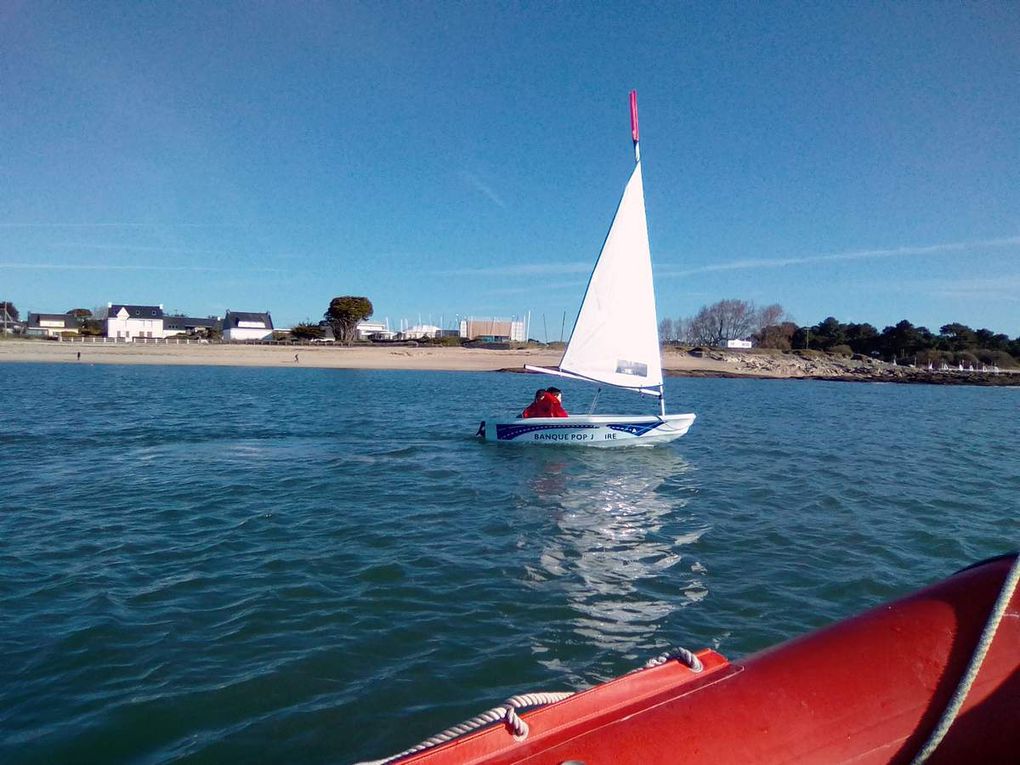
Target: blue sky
(857, 160)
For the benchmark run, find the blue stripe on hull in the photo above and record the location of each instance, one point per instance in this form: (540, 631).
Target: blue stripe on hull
(570, 432)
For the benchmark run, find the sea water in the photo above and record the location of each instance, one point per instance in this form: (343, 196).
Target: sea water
(211, 565)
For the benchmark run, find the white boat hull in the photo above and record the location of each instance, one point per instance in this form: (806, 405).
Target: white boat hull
(600, 430)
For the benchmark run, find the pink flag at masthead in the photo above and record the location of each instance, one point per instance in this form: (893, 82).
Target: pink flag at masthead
(633, 116)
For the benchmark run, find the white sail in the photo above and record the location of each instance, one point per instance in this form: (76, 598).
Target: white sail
(616, 339)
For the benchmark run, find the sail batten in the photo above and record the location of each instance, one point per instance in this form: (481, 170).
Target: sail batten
(615, 338)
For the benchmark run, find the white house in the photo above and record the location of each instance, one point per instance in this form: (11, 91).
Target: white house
(240, 325)
(374, 330)
(738, 343)
(50, 324)
(128, 322)
(419, 331)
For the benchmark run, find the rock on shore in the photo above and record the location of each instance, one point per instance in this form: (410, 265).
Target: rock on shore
(818, 365)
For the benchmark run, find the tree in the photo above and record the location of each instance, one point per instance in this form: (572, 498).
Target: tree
(82, 316)
(863, 338)
(779, 336)
(905, 339)
(93, 327)
(828, 333)
(12, 311)
(956, 336)
(666, 333)
(307, 331)
(773, 330)
(722, 321)
(682, 331)
(988, 340)
(343, 316)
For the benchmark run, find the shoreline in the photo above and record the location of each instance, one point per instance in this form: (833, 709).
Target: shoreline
(726, 364)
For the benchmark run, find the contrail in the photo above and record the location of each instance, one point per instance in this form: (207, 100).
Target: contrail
(99, 267)
(487, 190)
(119, 225)
(932, 249)
(527, 269)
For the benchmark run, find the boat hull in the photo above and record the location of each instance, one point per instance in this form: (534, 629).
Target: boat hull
(866, 690)
(601, 430)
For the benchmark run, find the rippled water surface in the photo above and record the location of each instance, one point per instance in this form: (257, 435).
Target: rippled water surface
(249, 565)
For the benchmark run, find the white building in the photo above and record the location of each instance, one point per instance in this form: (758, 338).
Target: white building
(418, 331)
(50, 324)
(374, 330)
(239, 325)
(738, 343)
(128, 322)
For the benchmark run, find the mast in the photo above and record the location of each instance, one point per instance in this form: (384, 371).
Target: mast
(635, 135)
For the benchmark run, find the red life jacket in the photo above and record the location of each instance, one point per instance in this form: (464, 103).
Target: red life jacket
(547, 406)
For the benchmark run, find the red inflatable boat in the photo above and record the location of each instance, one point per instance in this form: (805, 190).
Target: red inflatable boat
(877, 688)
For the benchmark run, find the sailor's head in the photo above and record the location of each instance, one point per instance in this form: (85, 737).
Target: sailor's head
(539, 393)
(556, 392)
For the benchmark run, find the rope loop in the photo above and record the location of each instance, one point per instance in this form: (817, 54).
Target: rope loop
(518, 728)
(506, 712)
(682, 655)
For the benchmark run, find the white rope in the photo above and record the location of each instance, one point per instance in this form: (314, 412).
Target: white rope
(987, 635)
(505, 712)
(680, 654)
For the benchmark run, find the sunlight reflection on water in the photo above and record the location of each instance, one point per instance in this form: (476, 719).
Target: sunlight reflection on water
(618, 530)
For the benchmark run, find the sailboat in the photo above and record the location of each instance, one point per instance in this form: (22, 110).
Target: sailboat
(615, 341)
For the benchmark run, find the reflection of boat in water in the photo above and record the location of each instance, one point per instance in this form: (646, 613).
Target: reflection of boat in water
(907, 681)
(616, 555)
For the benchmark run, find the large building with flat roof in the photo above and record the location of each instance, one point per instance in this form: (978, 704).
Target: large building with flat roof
(493, 330)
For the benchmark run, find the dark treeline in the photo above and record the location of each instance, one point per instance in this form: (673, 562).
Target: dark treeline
(770, 328)
(955, 343)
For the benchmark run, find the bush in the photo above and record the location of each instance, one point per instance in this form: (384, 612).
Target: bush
(997, 359)
(965, 357)
(841, 350)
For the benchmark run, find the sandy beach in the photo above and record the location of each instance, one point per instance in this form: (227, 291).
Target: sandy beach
(322, 357)
(758, 364)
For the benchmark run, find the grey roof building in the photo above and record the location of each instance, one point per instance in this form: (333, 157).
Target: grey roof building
(178, 324)
(245, 325)
(240, 319)
(41, 324)
(135, 311)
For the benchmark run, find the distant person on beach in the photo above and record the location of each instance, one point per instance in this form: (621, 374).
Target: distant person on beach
(79, 355)
(296, 359)
(547, 403)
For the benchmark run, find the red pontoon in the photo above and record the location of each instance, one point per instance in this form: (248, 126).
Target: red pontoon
(874, 688)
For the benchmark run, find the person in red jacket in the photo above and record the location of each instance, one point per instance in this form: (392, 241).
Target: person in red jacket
(531, 410)
(547, 403)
